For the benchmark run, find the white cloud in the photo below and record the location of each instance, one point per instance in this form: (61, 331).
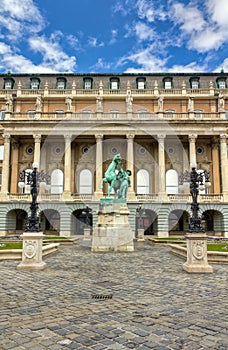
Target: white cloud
(94, 42)
(203, 29)
(148, 11)
(113, 39)
(147, 61)
(20, 18)
(144, 32)
(52, 53)
(101, 65)
(189, 68)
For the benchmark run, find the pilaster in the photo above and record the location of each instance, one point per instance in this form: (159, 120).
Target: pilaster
(67, 167)
(99, 165)
(130, 164)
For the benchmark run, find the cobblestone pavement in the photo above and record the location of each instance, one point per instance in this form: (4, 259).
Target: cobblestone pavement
(155, 304)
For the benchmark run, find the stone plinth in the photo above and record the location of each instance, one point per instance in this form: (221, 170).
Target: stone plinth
(140, 237)
(197, 254)
(32, 252)
(87, 236)
(113, 231)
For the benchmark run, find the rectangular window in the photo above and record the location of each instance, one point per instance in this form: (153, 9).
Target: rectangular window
(88, 85)
(2, 115)
(114, 85)
(1, 152)
(31, 114)
(195, 84)
(168, 85)
(141, 85)
(222, 84)
(60, 85)
(8, 85)
(34, 85)
(59, 114)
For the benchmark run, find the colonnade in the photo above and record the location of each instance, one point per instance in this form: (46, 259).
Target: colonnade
(10, 162)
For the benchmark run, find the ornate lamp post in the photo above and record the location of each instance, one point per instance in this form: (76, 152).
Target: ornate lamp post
(140, 214)
(34, 179)
(198, 181)
(33, 237)
(196, 238)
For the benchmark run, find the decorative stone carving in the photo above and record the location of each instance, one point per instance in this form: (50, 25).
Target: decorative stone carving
(160, 103)
(39, 103)
(190, 103)
(9, 103)
(221, 102)
(69, 103)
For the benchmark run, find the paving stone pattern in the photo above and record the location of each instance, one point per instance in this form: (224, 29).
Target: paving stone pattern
(155, 304)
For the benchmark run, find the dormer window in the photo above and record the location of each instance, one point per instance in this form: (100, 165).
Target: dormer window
(9, 83)
(61, 83)
(114, 83)
(88, 83)
(141, 83)
(194, 83)
(221, 83)
(168, 83)
(35, 83)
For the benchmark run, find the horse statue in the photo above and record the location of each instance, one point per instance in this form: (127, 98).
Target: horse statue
(110, 174)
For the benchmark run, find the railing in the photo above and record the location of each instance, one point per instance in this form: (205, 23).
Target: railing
(211, 198)
(114, 115)
(135, 92)
(148, 196)
(179, 197)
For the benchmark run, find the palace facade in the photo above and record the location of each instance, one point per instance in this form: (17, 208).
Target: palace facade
(74, 124)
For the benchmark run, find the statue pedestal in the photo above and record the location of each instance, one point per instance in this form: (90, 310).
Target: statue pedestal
(32, 252)
(113, 231)
(140, 237)
(197, 254)
(87, 235)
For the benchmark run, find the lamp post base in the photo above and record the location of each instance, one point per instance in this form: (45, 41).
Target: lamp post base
(32, 252)
(197, 254)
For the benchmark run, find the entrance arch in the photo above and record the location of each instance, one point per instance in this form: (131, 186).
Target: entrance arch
(178, 221)
(16, 221)
(50, 221)
(147, 221)
(213, 222)
(81, 219)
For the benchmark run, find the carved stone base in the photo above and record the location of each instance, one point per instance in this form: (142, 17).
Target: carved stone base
(140, 237)
(87, 235)
(32, 252)
(197, 254)
(113, 231)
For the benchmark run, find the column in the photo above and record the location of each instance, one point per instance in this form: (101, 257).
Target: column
(161, 165)
(14, 164)
(37, 141)
(224, 165)
(99, 165)
(130, 163)
(67, 167)
(192, 150)
(215, 167)
(6, 166)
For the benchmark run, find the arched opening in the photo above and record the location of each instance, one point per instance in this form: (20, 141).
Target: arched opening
(178, 221)
(81, 218)
(146, 220)
(85, 182)
(16, 221)
(212, 221)
(57, 181)
(50, 221)
(142, 182)
(171, 178)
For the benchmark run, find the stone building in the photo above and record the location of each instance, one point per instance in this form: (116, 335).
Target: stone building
(73, 125)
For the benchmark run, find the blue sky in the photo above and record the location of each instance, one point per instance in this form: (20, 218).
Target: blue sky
(107, 36)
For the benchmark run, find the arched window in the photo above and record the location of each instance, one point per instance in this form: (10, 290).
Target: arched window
(114, 114)
(85, 182)
(198, 113)
(171, 179)
(169, 113)
(57, 181)
(26, 188)
(142, 113)
(143, 182)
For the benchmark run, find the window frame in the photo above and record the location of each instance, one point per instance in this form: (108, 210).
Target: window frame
(61, 80)
(34, 83)
(166, 80)
(141, 80)
(114, 80)
(87, 80)
(8, 80)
